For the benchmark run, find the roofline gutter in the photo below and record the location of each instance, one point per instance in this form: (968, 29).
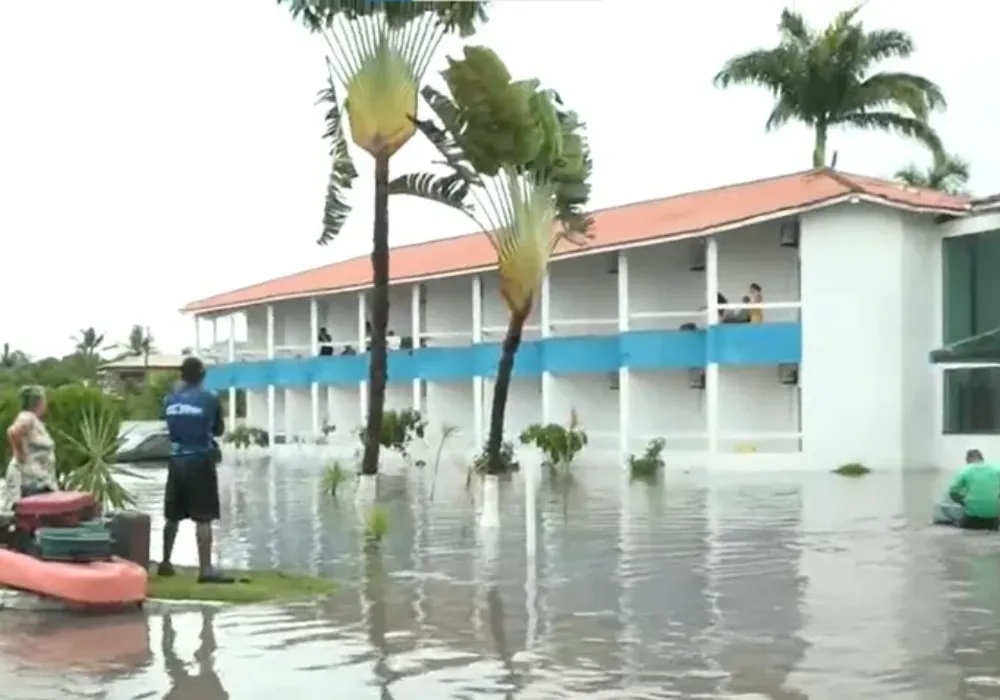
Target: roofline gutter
(846, 198)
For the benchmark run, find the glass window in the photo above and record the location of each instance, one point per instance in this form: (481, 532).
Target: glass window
(971, 285)
(972, 401)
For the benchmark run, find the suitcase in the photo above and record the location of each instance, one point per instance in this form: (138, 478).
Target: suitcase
(87, 542)
(130, 532)
(57, 509)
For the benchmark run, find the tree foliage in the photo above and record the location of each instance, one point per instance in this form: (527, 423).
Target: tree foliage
(948, 173)
(829, 78)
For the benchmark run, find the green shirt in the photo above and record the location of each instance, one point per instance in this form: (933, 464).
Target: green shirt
(980, 485)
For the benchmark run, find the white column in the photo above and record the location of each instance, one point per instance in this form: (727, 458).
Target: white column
(712, 368)
(362, 343)
(624, 398)
(215, 333)
(271, 401)
(197, 335)
(231, 357)
(545, 306)
(314, 343)
(477, 382)
(415, 324)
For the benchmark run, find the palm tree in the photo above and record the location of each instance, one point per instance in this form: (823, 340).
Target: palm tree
(88, 342)
(11, 359)
(949, 173)
(522, 159)
(140, 343)
(827, 79)
(378, 54)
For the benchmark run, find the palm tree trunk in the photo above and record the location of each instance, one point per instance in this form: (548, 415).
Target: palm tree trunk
(819, 147)
(379, 317)
(501, 388)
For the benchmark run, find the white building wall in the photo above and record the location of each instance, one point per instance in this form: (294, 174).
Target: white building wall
(447, 311)
(853, 336)
(339, 315)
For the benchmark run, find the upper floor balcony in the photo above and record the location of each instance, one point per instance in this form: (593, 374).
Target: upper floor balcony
(672, 306)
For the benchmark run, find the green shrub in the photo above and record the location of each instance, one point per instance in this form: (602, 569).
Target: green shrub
(559, 444)
(399, 429)
(508, 463)
(649, 463)
(376, 524)
(242, 436)
(334, 476)
(852, 469)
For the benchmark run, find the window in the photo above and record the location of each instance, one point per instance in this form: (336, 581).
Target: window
(970, 285)
(972, 401)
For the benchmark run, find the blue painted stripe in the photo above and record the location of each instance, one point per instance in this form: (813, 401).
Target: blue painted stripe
(727, 344)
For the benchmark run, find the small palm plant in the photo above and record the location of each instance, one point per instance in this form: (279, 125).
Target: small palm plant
(92, 467)
(522, 158)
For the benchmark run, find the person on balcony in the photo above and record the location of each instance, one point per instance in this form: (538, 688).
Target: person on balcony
(32, 469)
(325, 343)
(756, 297)
(194, 420)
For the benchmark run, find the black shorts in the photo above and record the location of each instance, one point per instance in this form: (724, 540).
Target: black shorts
(971, 522)
(192, 491)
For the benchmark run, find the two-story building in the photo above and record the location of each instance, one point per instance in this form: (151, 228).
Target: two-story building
(645, 332)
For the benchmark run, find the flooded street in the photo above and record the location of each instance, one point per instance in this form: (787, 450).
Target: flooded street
(724, 586)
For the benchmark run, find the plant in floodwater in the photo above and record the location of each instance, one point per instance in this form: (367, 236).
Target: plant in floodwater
(447, 433)
(647, 465)
(376, 524)
(481, 463)
(401, 428)
(852, 469)
(523, 160)
(333, 477)
(559, 444)
(378, 55)
(94, 444)
(239, 437)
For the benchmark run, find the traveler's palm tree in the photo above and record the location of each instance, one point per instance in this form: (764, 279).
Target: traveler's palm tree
(89, 342)
(949, 173)
(378, 55)
(520, 169)
(829, 79)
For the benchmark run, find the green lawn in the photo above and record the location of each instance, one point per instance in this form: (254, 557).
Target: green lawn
(252, 587)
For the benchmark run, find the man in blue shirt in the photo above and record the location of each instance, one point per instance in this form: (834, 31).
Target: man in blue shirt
(194, 420)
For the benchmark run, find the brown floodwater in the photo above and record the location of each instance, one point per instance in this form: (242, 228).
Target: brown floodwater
(730, 586)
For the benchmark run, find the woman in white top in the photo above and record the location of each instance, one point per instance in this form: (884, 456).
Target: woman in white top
(32, 467)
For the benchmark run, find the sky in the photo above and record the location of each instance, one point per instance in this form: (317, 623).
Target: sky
(155, 153)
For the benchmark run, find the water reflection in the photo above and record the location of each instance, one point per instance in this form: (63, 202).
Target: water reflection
(776, 587)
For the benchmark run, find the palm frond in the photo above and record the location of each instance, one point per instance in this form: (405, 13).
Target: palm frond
(336, 208)
(793, 28)
(897, 123)
(450, 190)
(461, 17)
(914, 93)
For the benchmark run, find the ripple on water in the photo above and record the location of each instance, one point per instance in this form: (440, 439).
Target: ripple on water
(777, 587)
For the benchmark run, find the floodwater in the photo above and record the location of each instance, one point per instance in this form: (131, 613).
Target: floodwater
(731, 586)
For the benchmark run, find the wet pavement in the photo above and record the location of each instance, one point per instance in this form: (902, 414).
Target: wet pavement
(730, 586)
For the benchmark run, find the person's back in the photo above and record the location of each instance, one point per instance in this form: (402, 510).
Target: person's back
(980, 483)
(191, 414)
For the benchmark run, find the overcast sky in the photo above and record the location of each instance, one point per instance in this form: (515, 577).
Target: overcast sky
(154, 153)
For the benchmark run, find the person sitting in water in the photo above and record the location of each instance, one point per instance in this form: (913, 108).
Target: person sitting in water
(194, 420)
(976, 488)
(32, 468)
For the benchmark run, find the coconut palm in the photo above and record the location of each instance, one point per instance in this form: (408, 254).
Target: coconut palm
(378, 55)
(140, 343)
(828, 79)
(949, 173)
(519, 167)
(89, 342)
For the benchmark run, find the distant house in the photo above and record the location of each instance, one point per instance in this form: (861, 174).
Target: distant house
(134, 368)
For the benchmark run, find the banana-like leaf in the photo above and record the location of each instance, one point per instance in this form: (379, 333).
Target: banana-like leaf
(342, 171)
(450, 190)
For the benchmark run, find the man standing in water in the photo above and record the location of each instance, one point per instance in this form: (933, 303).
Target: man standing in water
(977, 489)
(194, 420)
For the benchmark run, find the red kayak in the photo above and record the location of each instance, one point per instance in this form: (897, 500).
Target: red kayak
(107, 583)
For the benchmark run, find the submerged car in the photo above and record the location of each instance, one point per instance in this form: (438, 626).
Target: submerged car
(142, 443)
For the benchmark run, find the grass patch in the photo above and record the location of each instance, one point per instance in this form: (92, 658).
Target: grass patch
(263, 587)
(852, 469)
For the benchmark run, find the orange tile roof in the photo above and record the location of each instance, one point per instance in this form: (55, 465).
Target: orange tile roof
(686, 214)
